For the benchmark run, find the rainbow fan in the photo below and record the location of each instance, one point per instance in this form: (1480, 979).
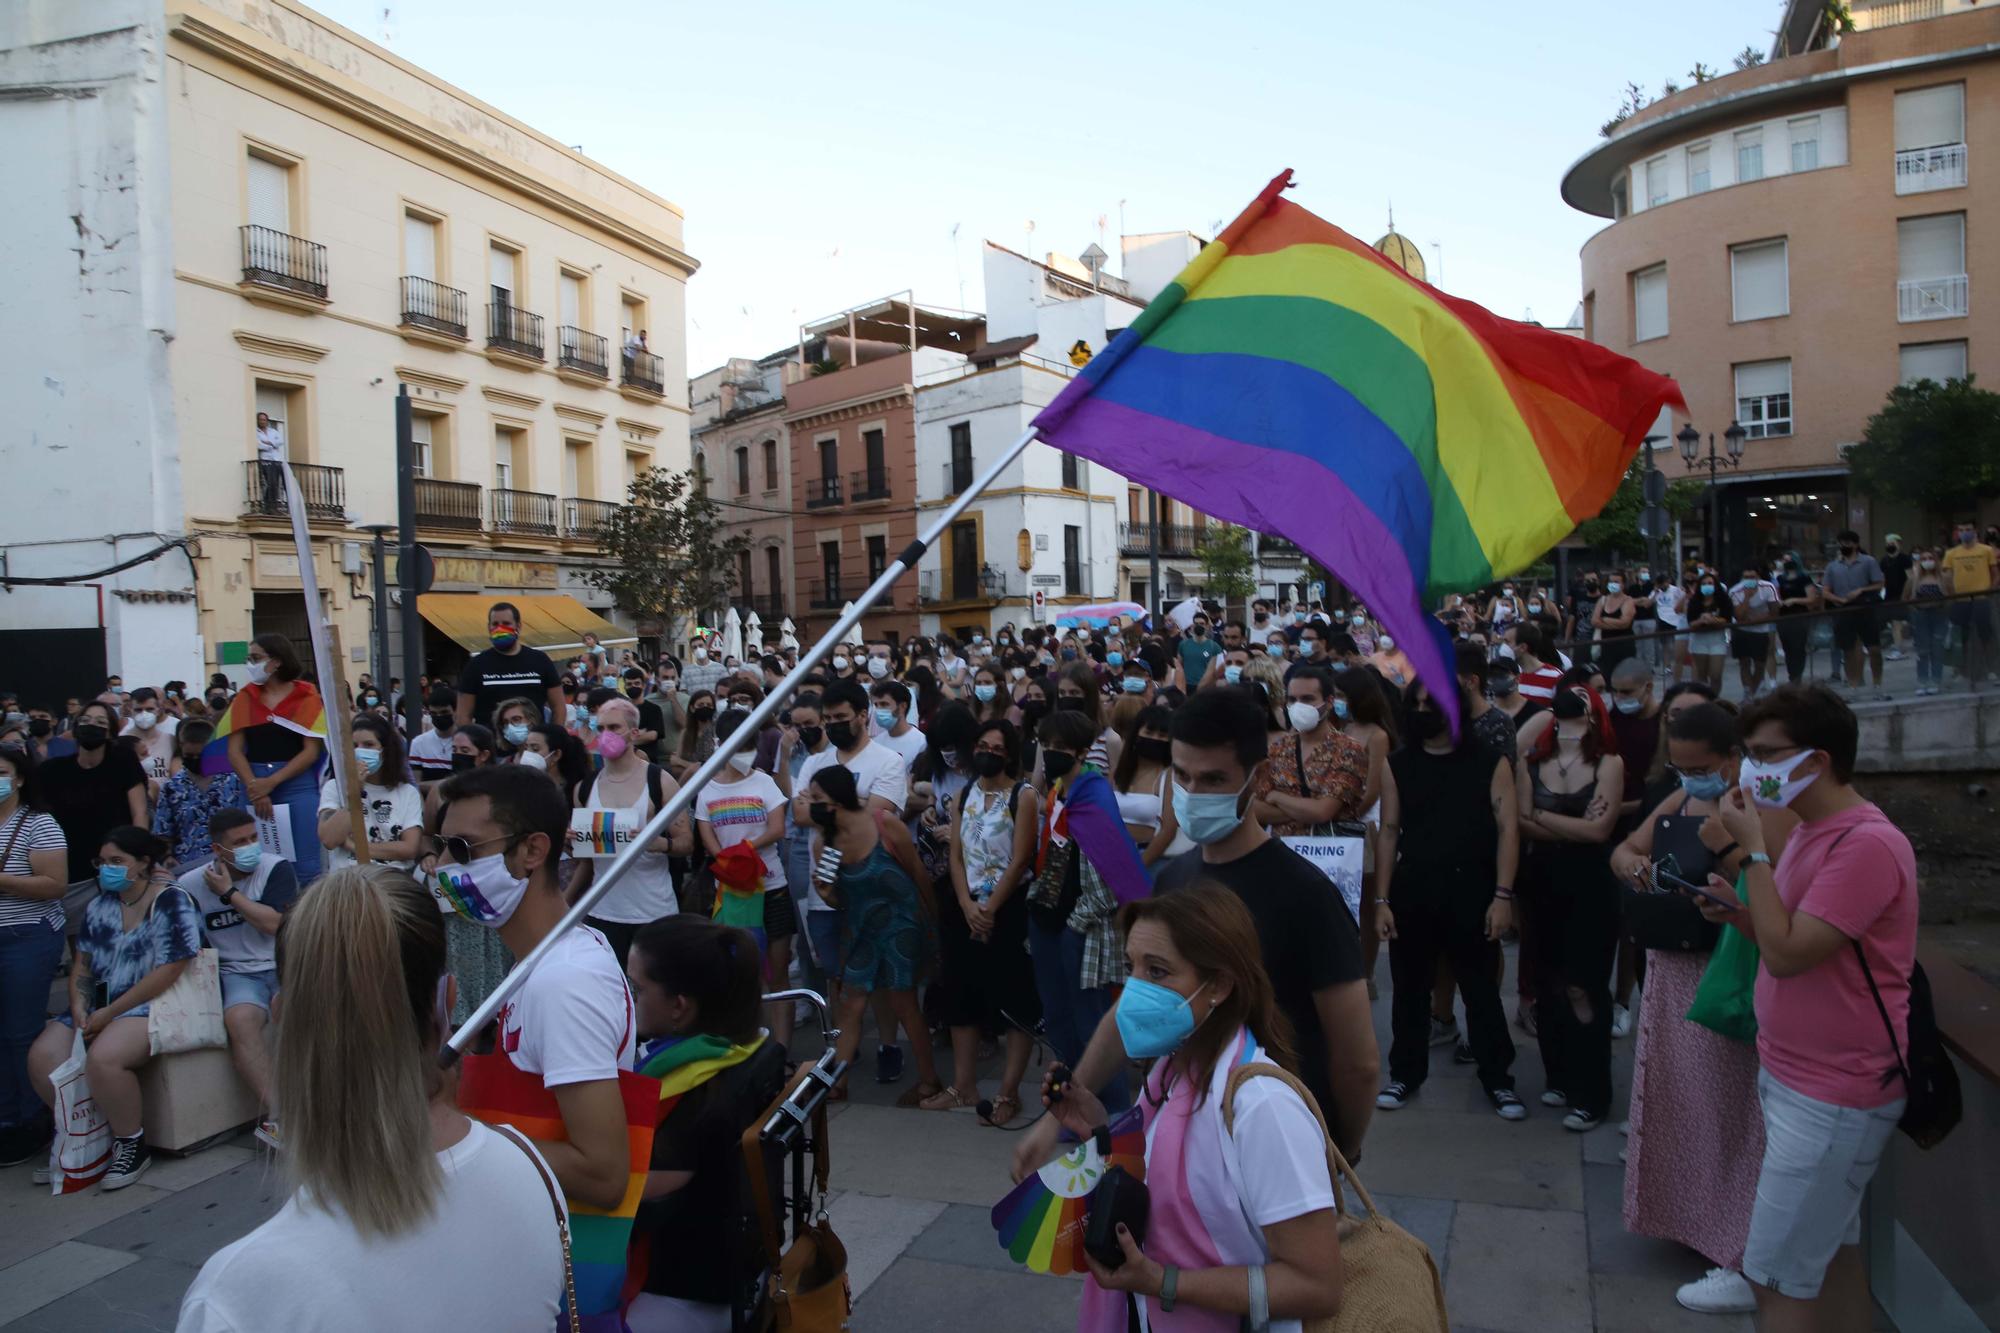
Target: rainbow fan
(1040, 1223)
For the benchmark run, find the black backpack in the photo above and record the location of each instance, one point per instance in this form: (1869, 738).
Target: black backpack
(1935, 1105)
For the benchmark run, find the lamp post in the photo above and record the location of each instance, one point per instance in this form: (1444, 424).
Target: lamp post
(1689, 440)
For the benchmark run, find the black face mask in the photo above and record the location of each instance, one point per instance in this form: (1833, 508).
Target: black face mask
(1154, 750)
(1034, 710)
(988, 765)
(217, 702)
(1426, 723)
(1847, 548)
(442, 721)
(821, 813)
(461, 763)
(1072, 703)
(841, 734)
(1057, 764)
(1502, 686)
(90, 736)
(635, 692)
(703, 713)
(39, 727)
(1201, 631)
(811, 736)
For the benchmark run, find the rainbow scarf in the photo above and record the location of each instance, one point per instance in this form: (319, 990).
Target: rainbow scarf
(1295, 381)
(682, 1064)
(301, 711)
(739, 889)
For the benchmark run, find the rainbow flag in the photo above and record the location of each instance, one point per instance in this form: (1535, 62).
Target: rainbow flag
(301, 711)
(1297, 382)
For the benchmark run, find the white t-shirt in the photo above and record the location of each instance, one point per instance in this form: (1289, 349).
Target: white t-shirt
(909, 745)
(430, 754)
(739, 810)
(1762, 596)
(388, 813)
(646, 893)
(572, 1020)
(878, 771)
(308, 1270)
(1667, 602)
(156, 747)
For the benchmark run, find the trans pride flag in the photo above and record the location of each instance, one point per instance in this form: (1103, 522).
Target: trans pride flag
(1295, 381)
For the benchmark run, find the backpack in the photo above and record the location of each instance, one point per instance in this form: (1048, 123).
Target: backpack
(1935, 1105)
(1389, 1282)
(653, 787)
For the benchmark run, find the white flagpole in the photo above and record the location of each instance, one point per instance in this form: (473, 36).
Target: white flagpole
(316, 627)
(746, 734)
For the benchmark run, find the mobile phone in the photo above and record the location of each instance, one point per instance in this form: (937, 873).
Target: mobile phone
(1674, 881)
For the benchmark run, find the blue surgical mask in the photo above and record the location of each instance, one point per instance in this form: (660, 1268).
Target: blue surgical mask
(246, 857)
(1114, 659)
(516, 733)
(1133, 684)
(985, 693)
(113, 879)
(6, 787)
(885, 718)
(370, 760)
(1275, 649)
(1152, 1020)
(1340, 708)
(1207, 817)
(1232, 673)
(1704, 786)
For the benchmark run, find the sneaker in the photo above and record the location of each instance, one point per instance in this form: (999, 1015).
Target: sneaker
(1461, 1054)
(1718, 1291)
(1621, 1021)
(1893, 655)
(1505, 1104)
(1579, 1121)
(1395, 1097)
(129, 1160)
(1444, 1031)
(269, 1134)
(1555, 1098)
(888, 1064)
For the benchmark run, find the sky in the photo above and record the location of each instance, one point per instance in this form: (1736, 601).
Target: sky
(823, 153)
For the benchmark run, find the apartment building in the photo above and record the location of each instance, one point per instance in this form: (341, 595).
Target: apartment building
(743, 451)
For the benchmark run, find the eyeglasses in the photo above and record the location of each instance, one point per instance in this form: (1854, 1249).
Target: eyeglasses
(460, 849)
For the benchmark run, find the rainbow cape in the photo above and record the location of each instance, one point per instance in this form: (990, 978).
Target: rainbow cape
(1297, 382)
(302, 711)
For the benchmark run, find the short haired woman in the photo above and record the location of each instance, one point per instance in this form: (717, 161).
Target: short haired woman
(276, 727)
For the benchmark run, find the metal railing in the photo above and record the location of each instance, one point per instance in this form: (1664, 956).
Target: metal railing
(943, 587)
(768, 607)
(1888, 13)
(823, 596)
(872, 484)
(448, 504)
(643, 370)
(1938, 168)
(512, 329)
(529, 513)
(1175, 538)
(585, 519)
(579, 349)
(324, 490)
(1932, 298)
(822, 492)
(273, 259)
(432, 305)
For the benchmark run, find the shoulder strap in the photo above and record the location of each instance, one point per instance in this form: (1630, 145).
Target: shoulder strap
(515, 1137)
(1868, 975)
(1299, 745)
(654, 786)
(1013, 803)
(1336, 1165)
(21, 822)
(585, 787)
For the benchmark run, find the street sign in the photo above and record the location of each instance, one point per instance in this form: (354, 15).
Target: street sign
(1041, 604)
(1653, 522)
(425, 569)
(1048, 580)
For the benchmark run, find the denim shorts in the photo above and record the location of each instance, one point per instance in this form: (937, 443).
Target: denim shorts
(1818, 1160)
(823, 933)
(249, 988)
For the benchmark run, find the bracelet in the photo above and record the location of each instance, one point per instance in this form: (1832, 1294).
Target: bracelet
(1732, 847)
(1504, 894)
(1260, 1299)
(1170, 1285)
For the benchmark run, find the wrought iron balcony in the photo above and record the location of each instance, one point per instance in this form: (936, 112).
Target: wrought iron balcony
(768, 607)
(824, 596)
(432, 305)
(872, 484)
(577, 349)
(448, 504)
(942, 587)
(822, 492)
(528, 513)
(273, 259)
(1175, 538)
(512, 329)
(643, 370)
(322, 489)
(585, 519)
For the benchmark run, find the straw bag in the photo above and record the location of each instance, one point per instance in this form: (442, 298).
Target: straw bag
(807, 1283)
(1389, 1282)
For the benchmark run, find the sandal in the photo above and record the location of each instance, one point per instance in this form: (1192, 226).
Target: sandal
(950, 1099)
(919, 1094)
(1004, 1109)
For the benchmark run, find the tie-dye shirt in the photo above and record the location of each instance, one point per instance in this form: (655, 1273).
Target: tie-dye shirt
(120, 958)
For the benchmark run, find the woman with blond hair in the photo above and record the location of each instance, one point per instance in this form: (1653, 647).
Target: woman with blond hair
(1264, 672)
(395, 1187)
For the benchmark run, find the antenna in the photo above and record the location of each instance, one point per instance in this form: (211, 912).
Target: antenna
(958, 263)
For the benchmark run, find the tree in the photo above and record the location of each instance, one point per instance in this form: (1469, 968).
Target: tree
(1933, 445)
(1748, 58)
(666, 554)
(1224, 552)
(1616, 527)
(1701, 73)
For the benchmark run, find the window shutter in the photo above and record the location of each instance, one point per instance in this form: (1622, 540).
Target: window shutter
(420, 246)
(500, 265)
(1933, 361)
(1649, 304)
(1929, 117)
(270, 194)
(1761, 379)
(572, 300)
(1931, 247)
(420, 434)
(1759, 282)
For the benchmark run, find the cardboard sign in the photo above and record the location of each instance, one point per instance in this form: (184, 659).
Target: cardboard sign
(599, 835)
(1340, 859)
(275, 833)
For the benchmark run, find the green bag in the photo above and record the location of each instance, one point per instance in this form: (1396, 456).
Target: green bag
(1725, 1001)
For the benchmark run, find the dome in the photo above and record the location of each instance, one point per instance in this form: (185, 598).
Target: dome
(1403, 252)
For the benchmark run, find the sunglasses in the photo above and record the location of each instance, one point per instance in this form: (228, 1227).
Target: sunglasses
(460, 849)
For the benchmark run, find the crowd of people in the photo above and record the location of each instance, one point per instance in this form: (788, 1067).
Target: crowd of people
(897, 836)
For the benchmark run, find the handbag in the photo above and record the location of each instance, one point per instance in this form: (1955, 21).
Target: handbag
(514, 1136)
(187, 1016)
(1389, 1282)
(806, 1284)
(1935, 1104)
(1724, 999)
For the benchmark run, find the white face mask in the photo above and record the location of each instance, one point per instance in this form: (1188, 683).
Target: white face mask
(701, 654)
(485, 891)
(840, 664)
(878, 667)
(1772, 785)
(146, 720)
(532, 759)
(742, 761)
(257, 672)
(1304, 716)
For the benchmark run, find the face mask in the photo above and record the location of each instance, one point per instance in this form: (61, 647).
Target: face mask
(810, 737)
(1275, 649)
(1503, 686)
(1152, 1020)
(841, 734)
(1154, 749)
(840, 664)
(1207, 817)
(1114, 659)
(1232, 673)
(885, 718)
(703, 713)
(1069, 654)
(530, 759)
(821, 813)
(611, 746)
(1708, 590)
(1136, 684)
(1201, 631)
(742, 761)
(1006, 642)
(989, 765)
(1773, 785)
(1928, 564)
(1426, 724)
(484, 892)
(370, 760)
(1848, 548)
(701, 654)
(878, 667)
(1704, 786)
(246, 857)
(443, 721)
(1303, 716)
(464, 763)
(90, 736)
(1339, 618)
(1057, 764)
(1535, 608)
(1628, 706)
(503, 639)
(218, 703)
(516, 733)
(1073, 703)
(6, 787)
(40, 726)
(1385, 643)
(985, 693)
(369, 701)
(257, 672)
(113, 879)
(146, 721)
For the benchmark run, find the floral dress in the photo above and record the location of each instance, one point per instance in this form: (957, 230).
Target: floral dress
(185, 808)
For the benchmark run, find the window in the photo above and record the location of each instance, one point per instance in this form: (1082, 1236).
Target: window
(1940, 362)
(1930, 117)
(964, 561)
(634, 465)
(770, 465)
(276, 401)
(878, 556)
(1930, 267)
(701, 472)
(1805, 143)
(1749, 155)
(1764, 398)
(743, 576)
(877, 466)
(743, 469)
(1649, 304)
(829, 571)
(1656, 182)
(1618, 208)
(270, 193)
(420, 247)
(829, 460)
(1072, 560)
(961, 457)
(571, 298)
(774, 575)
(502, 268)
(504, 441)
(631, 315)
(1698, 174)
(1071, 479)
(420, 435)
(1135, 505)
(1759, 281)
(577, 470)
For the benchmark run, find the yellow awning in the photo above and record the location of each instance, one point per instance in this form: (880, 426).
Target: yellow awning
(548, 620)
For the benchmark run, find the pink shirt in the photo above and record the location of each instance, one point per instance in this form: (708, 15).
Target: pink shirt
(1819, 1033)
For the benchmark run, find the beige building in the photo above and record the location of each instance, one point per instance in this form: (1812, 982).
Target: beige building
(298, 222)
(1792, 240)
(743, 448)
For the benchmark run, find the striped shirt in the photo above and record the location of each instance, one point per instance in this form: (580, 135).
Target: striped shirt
(39, 833)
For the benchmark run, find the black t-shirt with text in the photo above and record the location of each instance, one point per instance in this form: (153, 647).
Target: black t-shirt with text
(494, 677)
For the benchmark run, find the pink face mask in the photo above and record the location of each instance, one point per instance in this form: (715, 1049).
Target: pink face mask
(611, 746)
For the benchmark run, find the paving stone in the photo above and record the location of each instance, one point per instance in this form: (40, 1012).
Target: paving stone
(963, 1234)
(33, 1220)
(1615, 1250)
(191, 1224)
(55, 1273)
(1519, 1270)
(1628, 1304)
(1429, 1220)
(143, 1298)
(920, 1294)
(922, 1155)
(876, 1230)
(1435, 1154)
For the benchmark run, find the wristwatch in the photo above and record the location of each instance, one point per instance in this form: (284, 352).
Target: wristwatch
(1757, 858)
(227, 894)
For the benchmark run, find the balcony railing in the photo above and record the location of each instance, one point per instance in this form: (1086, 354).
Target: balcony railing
(1921, 169)
(512, 329)
(323, 489)
(945, 586)
(1888, 13)
(643, 370)
(448, 504)
(585, 519)
(1175, 538)
(1282, 547)
(822, 492)
(872, 484)
(529, 513)
(273, 259)
(432, 305)
(1932, 298)
(581, 350)
(768, 607)
(824, 596)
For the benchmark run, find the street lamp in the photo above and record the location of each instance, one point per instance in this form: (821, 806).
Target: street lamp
(1689, 440)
